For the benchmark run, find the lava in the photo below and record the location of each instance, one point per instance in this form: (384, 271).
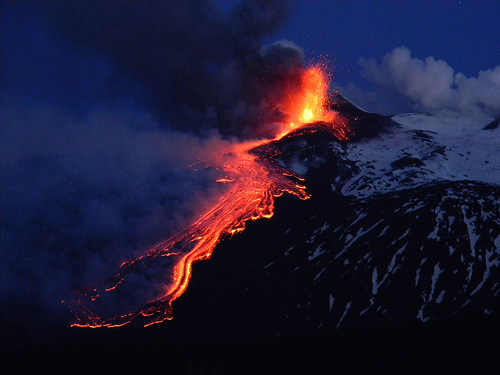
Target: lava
(253, 183)
(307, 103)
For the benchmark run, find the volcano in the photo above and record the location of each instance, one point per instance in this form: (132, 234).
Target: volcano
(394, 233)
(394, 257)
(401, 236)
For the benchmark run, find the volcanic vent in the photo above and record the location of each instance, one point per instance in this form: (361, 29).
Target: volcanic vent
(254, 179)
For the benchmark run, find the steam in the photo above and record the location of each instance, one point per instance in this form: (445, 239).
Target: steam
(427, 85)
(79, 196)
(104, 106)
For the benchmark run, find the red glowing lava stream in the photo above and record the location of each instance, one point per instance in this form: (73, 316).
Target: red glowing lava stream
(254, 183)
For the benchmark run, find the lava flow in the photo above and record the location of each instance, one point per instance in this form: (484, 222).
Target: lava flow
(253, 183)
(307, 104)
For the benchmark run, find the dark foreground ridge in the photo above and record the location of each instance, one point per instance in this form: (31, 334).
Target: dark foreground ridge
(461, 348)
(400, 281)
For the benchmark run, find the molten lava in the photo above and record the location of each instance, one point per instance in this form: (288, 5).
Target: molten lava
(253, 183)
(308, 102)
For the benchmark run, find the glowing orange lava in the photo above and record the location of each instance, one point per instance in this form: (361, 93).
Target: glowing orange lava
(253, 183)
(308, 102)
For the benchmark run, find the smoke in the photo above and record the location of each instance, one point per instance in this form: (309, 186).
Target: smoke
(104, 105)
(427, 85)
(79, 196)
(201, 68)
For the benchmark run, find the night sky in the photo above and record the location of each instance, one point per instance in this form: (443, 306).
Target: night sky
(460, 33)
(102, 110)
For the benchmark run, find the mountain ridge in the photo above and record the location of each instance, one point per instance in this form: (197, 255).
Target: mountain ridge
(393, 258)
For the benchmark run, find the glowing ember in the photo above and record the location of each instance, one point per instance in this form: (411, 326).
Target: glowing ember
(253, 183)
(308, 102)
(307, 115)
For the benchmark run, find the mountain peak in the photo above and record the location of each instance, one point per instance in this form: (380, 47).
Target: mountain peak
(396, 230)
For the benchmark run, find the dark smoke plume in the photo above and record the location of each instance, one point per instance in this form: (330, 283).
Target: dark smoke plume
(201, 68)
(103, 106)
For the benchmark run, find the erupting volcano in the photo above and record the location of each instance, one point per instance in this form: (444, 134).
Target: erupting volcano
(254, 181)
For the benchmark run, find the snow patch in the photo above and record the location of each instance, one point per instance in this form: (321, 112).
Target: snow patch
(435, 276)
(420, 314)
(375, 283)
(347, 307)
(317, 252)
(330, 302)
(289, 249)
(319, 274)
(440, 298)
(269, 265)
(450, 148)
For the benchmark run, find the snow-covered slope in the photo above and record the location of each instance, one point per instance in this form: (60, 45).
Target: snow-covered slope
(421, 149)
(403, 225)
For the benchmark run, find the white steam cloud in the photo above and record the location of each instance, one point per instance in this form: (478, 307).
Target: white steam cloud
(428, 85)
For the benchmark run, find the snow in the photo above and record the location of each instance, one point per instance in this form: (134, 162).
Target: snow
(450, 147)
(347, 307)
(392, 266)
(470, 269)
(360, 217)
(322, 229)
(468, 145)
(383, 231)
(415, 207)
(420, 314)
(435, 276)
(444, 124)
(298, 167)
(439, 219)
(269, 265)
(317, 252)
(350, 239)
(491, 261)
(447, 149)
(330, 302)
(368, 308)
(473, 237)
(319, 274)
(440, 298)
(375, 283)
(405, 234)
(451, 220)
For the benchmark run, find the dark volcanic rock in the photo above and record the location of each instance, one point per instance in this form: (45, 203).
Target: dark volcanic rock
(422, 255)
(392, 266)
(407, 161)
(409, 255)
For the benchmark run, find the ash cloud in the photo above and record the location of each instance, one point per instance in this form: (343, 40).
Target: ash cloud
(103, 107)
(428, 85)
(201, 68)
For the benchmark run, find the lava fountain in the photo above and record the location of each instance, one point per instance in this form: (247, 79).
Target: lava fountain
(253, 183)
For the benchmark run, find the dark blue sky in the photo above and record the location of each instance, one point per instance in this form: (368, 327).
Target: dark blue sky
(463, 33)
(447, 44)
